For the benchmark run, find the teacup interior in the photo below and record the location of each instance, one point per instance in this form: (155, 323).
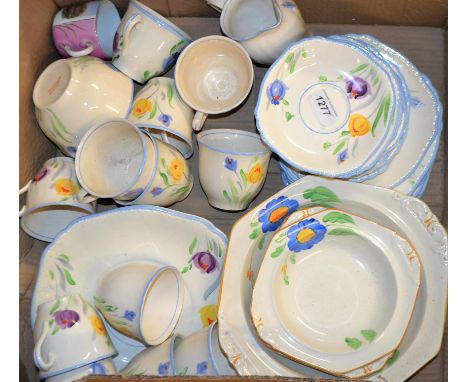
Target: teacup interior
(51, 84)
(233, 141)
(247, 18)
(111, 158)
(107, 22)
(162, 306)
(214, 75)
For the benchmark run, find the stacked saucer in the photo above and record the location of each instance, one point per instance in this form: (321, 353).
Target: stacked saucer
(350, 107)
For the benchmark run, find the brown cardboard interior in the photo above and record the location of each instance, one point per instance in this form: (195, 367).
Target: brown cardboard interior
(414, 27)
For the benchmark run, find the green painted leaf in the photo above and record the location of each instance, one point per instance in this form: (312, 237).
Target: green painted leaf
(393, 358)
(281, 237)
(184, 371)
(323, 78)
(120, 322)
(321, 196)
(64, 257)
(339, 147)
(59, 122)
(289, 116)
(245, 198)
(375, 81)
(173, 49)
(327, 145)
(181, 43)
(99, 300)
(254, 223)
(342, 232)
(344, 133)
(359, 68)
(153, 111)
(192, 245)
(226, 196)
(378, 116)
(278, 251)
(261, 242)
(69, 277)
(369, 334)
(292, 258)
(286, 280)
(51, 274)
(163, 162)
(57, 131)
(255, 233)
(285, 102)
(146, 74)
(54, 307)
(353, 342)
(110, 308)
(210, 246)
(412, 182)
(292, 67)
(164, 178)
(289, 58)
(184, 270)
(190, 265)
(234, 193)
(304, 53)
(220, 253)
(386, 108)
(338, 217)
(56, 329)
(51, 322)
(340, 77)
(243, 177)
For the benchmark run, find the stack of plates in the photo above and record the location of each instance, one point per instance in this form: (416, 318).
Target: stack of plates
(332, 278)
(350, 107)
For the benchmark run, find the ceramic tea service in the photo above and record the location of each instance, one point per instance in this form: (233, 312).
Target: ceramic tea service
(86, 28)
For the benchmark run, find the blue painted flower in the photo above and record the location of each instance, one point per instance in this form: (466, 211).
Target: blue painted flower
(202, 368)
(98, 368)
(163, 368)
(305, 234)
(415, 102)
(71, 149)
(276, 91)
(133, 194)
(129, 315)
(276, 212)
(288, 4)
(230, 164)
(169, 61)
(165, 119)
(156, 191)
(342, 156)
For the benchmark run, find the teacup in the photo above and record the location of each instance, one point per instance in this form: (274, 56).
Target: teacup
(171, 180)
(103, 367)
(158, 108)
(154, 360)
(54, 200)
(71, 95)
(146, 44)
(200, 354)
(214, 74)
(143, 301)
(86, 28)
(115, 160)
(232, 167)
(69, 334)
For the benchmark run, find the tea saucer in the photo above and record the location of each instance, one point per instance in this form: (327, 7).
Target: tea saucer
(90, 246)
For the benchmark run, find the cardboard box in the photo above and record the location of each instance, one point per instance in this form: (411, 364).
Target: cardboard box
(417, 28)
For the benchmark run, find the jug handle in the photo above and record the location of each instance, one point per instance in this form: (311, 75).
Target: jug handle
(131, 23)
(21, 192)
(79, 53)
(84, 197)
(216, 4)
(40, 362)
(199, 120)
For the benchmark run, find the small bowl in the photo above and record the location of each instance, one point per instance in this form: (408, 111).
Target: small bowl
(232, 167)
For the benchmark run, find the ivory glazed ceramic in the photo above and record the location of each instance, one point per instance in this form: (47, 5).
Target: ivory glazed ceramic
(87, 28)
(104, 367)
(232, 167)
(214, 75)
(199, 355)
(328, 95)
(136, 234)
(147, 311)
(251, 234)
(68, 333)
(265, 28)
(159, 108)
(171, 180)
(71, 95)
(54, 200)
(335, 291)
(146, 44)
(115, 160)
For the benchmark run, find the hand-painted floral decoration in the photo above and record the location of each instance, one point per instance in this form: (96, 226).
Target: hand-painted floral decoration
(415, 102)
(156, 191)
(163, 368)
(40, 175)
(66, 318)
(208, 314)
(255, 173)
(142, 106)
(98, 368)
(205, 261)
(358, 125)
(176, 169)
(288, 4)
(129, 315)
(276, 91)
(305, 234)
(342, 156)
(66, 187)
(275, 213)
(230, 164)
(202, 368)
(165, 119)
(98, 325)
(356, 87)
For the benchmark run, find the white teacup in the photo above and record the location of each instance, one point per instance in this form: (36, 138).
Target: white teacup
(143, 301)
(103, 367)
(200, 354)
(71, 95)
(232, 167)
(146, 44)
(158, 108)
(214, 74)
(171, 181)
(69, 334)
(54, 200)
(115, 160)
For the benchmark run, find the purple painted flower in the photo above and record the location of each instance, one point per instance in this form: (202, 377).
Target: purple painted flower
(276, 91)
(163, 368)
(205, 261)
(129, 315)
(98, 368)
(40, 175)
(66, 318)
(165, 119)
(288, 4)
(230, 164)
(342, 156)
(133, 194)
(202, 367)
(356, 87)
(156, 191)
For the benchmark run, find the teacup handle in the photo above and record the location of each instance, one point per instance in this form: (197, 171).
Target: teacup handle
(40, 362)
(216, 4)
(21, 192)
(79, 53)
(199, 120)
(84, 197)
(131, 23)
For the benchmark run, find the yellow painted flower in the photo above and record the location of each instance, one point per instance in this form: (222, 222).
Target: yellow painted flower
(98, 325)
(208, 314)
(176, 169)
(358, 125)
(255, 174)
(66, 187)
(141, 107)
